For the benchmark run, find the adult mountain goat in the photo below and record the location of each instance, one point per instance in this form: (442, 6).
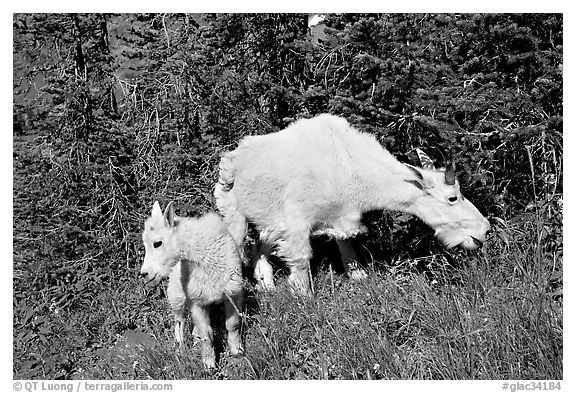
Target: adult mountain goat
(318, 176)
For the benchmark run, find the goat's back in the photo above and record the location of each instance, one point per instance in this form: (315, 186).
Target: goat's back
(312, 163)
(205, 239)
(211, 264)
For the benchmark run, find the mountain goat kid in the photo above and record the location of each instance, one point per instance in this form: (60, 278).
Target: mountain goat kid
(318, 176)
(203, 266)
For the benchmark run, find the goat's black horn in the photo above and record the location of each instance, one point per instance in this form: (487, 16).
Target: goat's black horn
(450, 171)
(445, 158)
(450, 174)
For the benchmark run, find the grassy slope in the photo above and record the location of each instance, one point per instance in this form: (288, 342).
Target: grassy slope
(497, 316)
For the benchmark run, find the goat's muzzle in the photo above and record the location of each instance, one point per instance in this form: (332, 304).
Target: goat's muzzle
(151, 279)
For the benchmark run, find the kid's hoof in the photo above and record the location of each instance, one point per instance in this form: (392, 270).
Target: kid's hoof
(358, 274)
(262, 286)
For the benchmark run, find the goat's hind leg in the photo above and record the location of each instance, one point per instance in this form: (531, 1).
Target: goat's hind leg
(232, 309)
(201, 321)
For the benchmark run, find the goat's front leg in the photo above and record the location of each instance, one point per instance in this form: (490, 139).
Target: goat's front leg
(179, 324)
(177, 301)
(202, 326)
(232, 309)
(350, 259)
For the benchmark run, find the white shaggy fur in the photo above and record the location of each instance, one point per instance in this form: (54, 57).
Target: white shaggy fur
(318, 176)
(204, 267)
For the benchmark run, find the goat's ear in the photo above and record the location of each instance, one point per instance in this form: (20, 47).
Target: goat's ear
(169, 215)
(419, 181)
(156, 211)
(416, 172)
(425, 161)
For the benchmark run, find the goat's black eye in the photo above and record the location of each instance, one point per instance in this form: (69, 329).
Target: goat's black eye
(157, 244)
(452, 199)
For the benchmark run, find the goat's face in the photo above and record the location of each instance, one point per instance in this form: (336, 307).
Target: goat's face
(158, 233)
(456, 221)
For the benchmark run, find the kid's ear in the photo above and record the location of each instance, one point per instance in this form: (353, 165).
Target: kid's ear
(156, 211)
(169, 215)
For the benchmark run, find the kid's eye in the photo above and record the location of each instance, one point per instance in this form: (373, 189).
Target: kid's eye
(452, 199)
(157, 244)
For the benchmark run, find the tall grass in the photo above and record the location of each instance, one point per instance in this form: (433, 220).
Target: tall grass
(496, 315)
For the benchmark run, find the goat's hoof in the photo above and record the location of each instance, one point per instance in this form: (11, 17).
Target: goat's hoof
(178, 344)
(358, 274)
(236, 352)
(209, 364)
(261, 286)
(301, 292)
(195, 342)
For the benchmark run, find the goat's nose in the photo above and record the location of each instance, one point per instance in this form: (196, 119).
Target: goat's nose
(477, 242)
(143, 274)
